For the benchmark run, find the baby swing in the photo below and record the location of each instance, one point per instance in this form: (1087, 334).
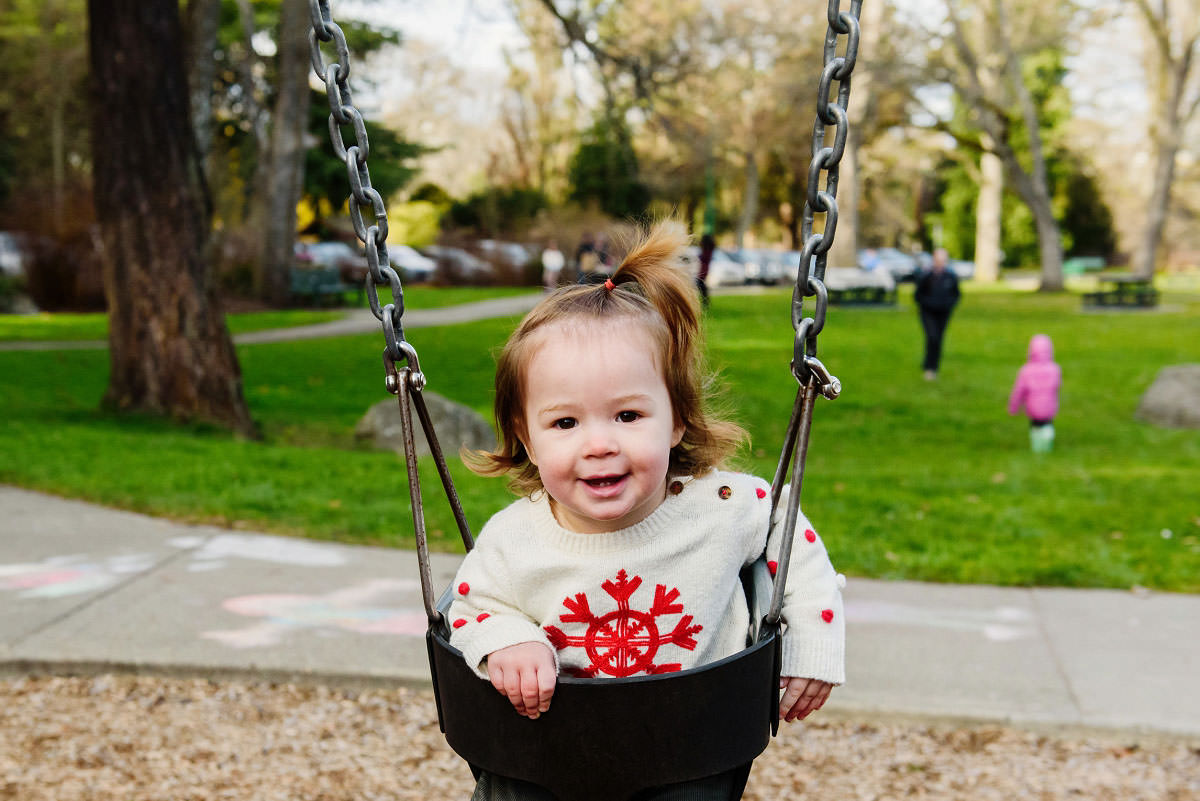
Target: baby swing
(606, 739)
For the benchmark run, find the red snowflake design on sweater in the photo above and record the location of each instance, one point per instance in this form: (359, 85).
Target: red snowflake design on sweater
(625, 641)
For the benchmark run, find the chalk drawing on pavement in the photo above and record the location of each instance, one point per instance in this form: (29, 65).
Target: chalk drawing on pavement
(363, 608)
(214, 551)
(74, 574)
(999, 624)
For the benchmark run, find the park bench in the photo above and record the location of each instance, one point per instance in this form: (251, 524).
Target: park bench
(854, 286)
(1122, 291)
(311, 285)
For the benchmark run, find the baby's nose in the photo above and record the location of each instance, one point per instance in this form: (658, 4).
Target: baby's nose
(599, 441)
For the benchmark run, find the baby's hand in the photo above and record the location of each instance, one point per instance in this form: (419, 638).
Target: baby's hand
(525, 673)
(801, 697)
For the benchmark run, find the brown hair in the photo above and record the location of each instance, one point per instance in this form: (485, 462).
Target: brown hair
(651, 287)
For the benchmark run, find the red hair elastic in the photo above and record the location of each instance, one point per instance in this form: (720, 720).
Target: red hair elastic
(608, 284)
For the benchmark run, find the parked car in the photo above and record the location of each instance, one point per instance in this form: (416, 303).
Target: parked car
(12, 255)
(413, 265)
(764, 266)
(347, 260)
(791, 265)
(456, 264)
(509, 253)
(725, 270)
(902, 266)
(962, 268)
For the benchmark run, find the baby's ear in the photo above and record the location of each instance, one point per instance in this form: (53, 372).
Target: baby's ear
(523, 437)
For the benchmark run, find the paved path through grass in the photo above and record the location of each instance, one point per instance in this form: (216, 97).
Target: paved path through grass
(358, 321)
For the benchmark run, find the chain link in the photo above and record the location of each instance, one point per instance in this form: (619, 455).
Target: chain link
(810, 277)
(372, 233)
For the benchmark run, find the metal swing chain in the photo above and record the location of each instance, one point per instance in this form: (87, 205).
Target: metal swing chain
(812, 376)
(406, 381)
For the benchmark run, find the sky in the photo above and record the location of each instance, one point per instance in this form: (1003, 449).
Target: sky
(475, 31)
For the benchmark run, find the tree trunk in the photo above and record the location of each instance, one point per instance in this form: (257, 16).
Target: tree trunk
(255, 206)
(203, 22)
(862, 106)
(1049, 245)
(749, 200)
(1146, 258)
(58, 159)
(285, 178)
(1036, 195)
(1035, 186)
(169, 350)
(844, 252)
(987, 219)
(1167, 135)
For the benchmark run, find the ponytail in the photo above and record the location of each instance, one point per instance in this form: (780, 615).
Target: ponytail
(655, 264)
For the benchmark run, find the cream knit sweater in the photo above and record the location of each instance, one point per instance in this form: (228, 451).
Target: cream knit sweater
(659, 596)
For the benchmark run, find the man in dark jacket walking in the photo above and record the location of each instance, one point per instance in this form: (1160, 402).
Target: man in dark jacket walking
(936, 295)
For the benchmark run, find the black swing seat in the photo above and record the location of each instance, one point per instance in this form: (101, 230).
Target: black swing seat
(607, 739)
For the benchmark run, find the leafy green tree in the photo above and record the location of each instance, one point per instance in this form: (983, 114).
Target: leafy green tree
(431, 193)
(1172, 29)
(495, 210)
(604, 171)
(998, 56)
(43, 111)
(1084, 222)
(248, 85)
(390, 162)
(1086, 218)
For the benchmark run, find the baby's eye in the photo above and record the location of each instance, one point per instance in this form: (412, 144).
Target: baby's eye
(628, 416)
(564, 423)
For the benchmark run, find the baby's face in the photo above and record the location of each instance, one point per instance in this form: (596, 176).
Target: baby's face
(599, 424)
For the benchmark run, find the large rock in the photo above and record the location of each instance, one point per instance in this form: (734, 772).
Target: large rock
(1174, 398)
(454, 424)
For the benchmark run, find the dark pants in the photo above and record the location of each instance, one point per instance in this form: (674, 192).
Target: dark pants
(934, 322)
(726, 786)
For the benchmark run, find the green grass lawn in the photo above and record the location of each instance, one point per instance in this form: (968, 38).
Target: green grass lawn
(66, 327)
(906, 479)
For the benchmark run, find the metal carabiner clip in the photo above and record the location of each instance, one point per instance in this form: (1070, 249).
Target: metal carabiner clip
(828, 384)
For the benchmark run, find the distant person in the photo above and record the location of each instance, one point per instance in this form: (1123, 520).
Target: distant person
(1036, 389)
(707, 246)
(552, 265)
(869, 259)
(587, 261)
(603, 257)
(936, 296)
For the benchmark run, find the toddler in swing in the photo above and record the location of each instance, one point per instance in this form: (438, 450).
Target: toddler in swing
(626, 510)
(1036, 389)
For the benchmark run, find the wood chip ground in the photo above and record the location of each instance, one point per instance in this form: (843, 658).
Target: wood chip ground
(130, 738)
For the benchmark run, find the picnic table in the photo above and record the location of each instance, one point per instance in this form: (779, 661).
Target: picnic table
(1122, 289)
(314, 284)
(855, 286)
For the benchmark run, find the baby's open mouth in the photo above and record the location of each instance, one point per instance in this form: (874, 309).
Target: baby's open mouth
(602, 481)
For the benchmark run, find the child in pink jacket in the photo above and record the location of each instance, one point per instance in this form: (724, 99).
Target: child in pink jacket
(1036, 389)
